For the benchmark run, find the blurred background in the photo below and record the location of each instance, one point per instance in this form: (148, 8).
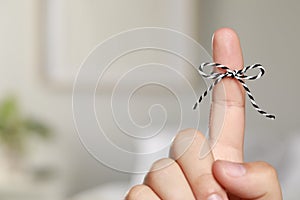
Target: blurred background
(43, 42)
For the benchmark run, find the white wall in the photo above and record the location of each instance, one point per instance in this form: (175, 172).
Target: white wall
(21, 74)
(22, 68)
(269, 32)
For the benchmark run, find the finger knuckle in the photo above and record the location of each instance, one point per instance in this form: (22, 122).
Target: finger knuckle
(268, 169)
(206, 185)
(135, 192)
(161, 164)
(183, 140)
(160, 169)
(202, 179)
(177, 195)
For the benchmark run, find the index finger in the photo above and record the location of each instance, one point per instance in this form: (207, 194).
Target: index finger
(227, 121)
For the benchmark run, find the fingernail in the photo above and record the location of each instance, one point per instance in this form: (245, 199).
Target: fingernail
(214, 197)
(234, 169)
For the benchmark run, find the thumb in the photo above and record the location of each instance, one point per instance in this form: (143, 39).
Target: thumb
(256, 181)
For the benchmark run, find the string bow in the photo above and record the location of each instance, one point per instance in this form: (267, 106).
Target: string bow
(239, 75)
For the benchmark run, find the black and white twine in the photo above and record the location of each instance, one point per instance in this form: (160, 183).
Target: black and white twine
(238, 75)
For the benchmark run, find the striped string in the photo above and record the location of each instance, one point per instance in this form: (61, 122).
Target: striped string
(238, 75)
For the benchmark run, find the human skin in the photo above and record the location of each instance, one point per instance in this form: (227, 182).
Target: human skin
(222, 172)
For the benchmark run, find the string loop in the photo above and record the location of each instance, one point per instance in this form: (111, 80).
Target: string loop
(239, 75)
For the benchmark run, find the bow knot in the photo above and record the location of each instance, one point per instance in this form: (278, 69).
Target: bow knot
(233, 73)
(240, 75)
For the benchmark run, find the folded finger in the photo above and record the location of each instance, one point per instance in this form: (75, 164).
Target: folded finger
(186, 149)
(141, 192)
(168, 181)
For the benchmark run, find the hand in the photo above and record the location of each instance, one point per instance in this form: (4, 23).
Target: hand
(221, 174)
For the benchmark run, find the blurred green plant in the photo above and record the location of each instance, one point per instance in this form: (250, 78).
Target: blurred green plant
(15, 129)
